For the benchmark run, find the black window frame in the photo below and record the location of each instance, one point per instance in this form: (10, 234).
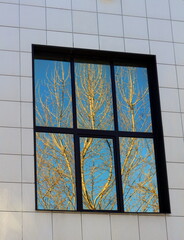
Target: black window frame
(125, 59)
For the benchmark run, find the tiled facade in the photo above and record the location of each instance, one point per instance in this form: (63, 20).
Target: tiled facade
(138, 26)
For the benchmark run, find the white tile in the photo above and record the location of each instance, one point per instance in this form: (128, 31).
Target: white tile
(10, 196)
(66, 4)
(28, 197)
(10, 226)
(176, 200)
(27, 141)
(67, 221)
(10, 114)
(172, 124)
(9, 15)
(180, 73)
(28, 169)
(32, 17)
(9, 38)
(134, 7)
(109, 6)
(26, 89)
(62, 39)
(164, 52)
(110, 25)
(96, 227)
(181, 93)
(10, 140)
(27, 115)
(179, 49)
(178, 31)
(136, 46)
(111, 44)
(159, 30)
(175, 175)
(26, 64)
(59, 20)
(152, 228)
(174, 149)
(175, 228)
(171, 103)
(90, 20)
(135, 27)
(9, 88)
(10, 63)
(86, 5)
(37, 226)
(29, 37)
(10, 1)
(10, 168)
(33, 2)
(124, 227)
(86, 41)
(177, 9)
(158, 9)
(167, 76)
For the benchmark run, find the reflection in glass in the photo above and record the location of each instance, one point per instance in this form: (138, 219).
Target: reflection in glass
(138, 171)
(55, 172)
(94, 96)
(133, 102)
(53, 93)
(97, 173)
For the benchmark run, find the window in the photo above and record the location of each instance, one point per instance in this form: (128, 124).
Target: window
(98, 132)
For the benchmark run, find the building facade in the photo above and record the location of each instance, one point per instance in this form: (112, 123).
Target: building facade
(121, 26)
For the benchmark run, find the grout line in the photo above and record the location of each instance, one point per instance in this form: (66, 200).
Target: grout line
(98, 26)
(139, 230)
(149, 44)
(72, 23)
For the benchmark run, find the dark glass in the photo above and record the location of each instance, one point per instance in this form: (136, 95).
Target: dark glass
(138, 171)
(133, 103)
(94, 96)
(53, 93)
(55, 172)
(97, 174)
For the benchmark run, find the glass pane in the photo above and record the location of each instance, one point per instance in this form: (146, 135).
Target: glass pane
(53, 94)
(139, 175)
(133, 102)
(55, 172)
(94, 96)
(97, 173)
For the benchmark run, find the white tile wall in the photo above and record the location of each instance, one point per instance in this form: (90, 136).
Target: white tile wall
(134, 7)
(86, 41)
(110, 25)
(124, 227)
(146, 26)
(84, 22)
(32, 17)
(10, 196)
(167, 76)
(9, 88)
(135, 27)
(10, 223)
(9, 15)
(158, 9)
(10, 170)
(175, 228)
(174, 148)
(160, 30)
(28, 169)
(37, 226)
(59, 20)
(9, 38)
(71, 226)
(152, 227)
(96, 227)
(113, 7)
